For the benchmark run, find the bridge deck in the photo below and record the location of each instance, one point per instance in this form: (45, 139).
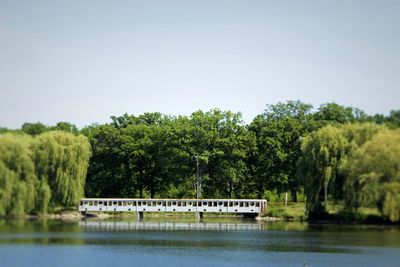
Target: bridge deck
(172, 205)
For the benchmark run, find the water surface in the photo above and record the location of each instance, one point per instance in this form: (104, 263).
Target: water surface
(222, 242)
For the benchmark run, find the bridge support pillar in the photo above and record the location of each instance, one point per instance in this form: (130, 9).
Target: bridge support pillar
(250, 215)
(140, 215)
(199, 216)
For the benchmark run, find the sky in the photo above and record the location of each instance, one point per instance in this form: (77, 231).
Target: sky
(84, 61)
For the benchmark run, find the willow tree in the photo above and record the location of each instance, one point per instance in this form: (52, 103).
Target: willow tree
(389, 201)
(7, 179)
(17, 175)
(61, 160)
(322, 152)
(357, 135)
(373, 174)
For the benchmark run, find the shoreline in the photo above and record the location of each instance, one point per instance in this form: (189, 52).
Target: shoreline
(75, 215)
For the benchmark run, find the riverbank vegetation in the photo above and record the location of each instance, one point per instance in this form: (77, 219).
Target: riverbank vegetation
(333, 154)
(40, 172)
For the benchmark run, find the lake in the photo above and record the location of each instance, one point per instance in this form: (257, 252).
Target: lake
(214, 242)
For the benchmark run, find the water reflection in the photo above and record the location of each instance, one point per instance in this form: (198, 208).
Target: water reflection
(214, 242)
(168, 226)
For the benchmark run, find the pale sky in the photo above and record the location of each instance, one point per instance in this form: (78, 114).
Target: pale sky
(83, 61)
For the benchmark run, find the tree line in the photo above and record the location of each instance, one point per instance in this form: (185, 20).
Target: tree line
(41, 172)
(332, 153)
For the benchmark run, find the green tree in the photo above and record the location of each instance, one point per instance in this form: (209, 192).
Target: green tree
(330, 113)
(278, 132)
(17, 176)
(329, 163)
(222, 143)
(356, 134)
(144, 148)
(105, 176)
(373, 174)
(62, 161)
(144, 152)
(394, 119)
(132, 156)
(34, 128)
(66, 127)
(322, 152)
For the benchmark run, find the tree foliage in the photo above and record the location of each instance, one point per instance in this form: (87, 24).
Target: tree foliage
(33, 171)
(17, 174)
(324, 154)
(334, 153)
(62, 159)
(152, 154)
(278, 132)
(322, 151)
(373, 174)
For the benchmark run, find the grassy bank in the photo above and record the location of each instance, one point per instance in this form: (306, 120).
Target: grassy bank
(336, 213)
(291, 211)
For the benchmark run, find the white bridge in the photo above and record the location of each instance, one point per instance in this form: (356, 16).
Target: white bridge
(247, 207)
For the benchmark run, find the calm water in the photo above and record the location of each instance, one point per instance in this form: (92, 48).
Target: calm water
(212, 243)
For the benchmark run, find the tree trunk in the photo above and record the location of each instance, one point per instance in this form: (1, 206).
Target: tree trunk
(326, 195)
(152, 191)
(230, 190)
(260, 190)
(141, 192)
(293, 194)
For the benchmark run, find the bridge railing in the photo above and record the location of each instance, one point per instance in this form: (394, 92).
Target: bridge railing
(172, 205)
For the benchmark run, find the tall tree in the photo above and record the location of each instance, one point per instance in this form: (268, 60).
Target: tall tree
(105, 177)
(34, 128)
(326, 154)
(279, 131)
(322, 152)
(373, 174)
(331, 113)
(62, 160)
(17, 175)
(222, 143)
